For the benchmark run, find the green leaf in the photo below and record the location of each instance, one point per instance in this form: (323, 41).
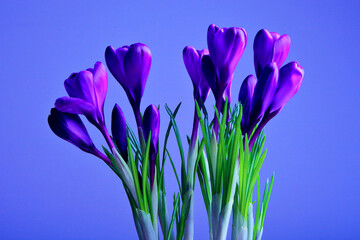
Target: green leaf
(179, 142)
(173, 217)
(145, 175)
(168, 133)
(134, 142)
(200, 151)
(134, 171)
(174, 169)
(267, 199)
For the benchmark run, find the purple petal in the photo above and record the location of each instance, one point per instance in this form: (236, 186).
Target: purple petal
(118, 130)
(203, 90)
(239, 44)
(192, 60)
(151, 122)
(270, 47)
(226, 46)
(264, 92)
(245, 98)
(114, 63)
(80, 85)
(100, 83)
(76, 106)
(275, 36)
(70, 128)
(137, 62)
(263, 49)
(209, 72)
(281, 49)
(130, 65)
(290, 79)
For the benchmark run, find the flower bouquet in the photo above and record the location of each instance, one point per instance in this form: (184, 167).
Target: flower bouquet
(225, 152)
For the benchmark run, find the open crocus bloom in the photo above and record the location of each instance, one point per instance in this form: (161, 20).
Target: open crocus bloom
(87, 91)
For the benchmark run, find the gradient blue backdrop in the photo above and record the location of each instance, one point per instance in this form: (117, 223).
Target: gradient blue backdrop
(51, 190)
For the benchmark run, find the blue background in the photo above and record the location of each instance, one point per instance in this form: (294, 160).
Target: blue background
(51, 190)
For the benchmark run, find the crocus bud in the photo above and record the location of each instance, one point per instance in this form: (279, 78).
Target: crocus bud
(263, 93)
(70, 128)
(87, 92)
(130, 65)
(151, 123)
(270, 47)
(192, 60)
(226, 46)
(246, 98)
(118, 130)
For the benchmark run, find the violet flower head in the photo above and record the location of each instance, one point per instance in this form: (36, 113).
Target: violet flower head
(290, 79)
(192, 60)
(263, 93)
(246, 95)
(70, 128)
(226, 46)
(151, 124)
(270, 47)
(118, 130)
(130, 65)
(87, 91)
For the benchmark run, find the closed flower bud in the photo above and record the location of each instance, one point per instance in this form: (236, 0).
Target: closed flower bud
(130, 65)
(151, 124)
(226, 46)
(70, 128)
(118, 130)
(192, 60)
(246, 98)
(270, 47)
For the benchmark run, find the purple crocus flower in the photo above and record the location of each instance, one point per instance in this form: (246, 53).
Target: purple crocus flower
(226, 46)
(118, 130)
(263, 93)
(270, 47)
(87, 92)
(290, 78)
(151, 123)
(70, 128)
(246, 95)
(192, 60)
(130, 65)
